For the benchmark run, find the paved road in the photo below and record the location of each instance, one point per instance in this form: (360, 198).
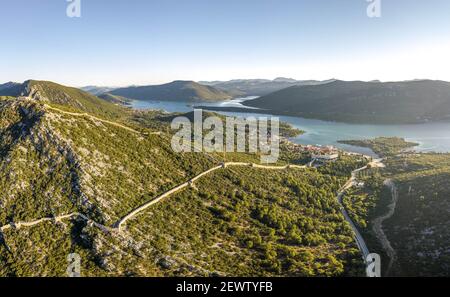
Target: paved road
(118, 225)
(358, 237)
(350, 183)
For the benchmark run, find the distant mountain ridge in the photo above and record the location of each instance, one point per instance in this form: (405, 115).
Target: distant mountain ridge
(115, 99)
(188, 91)
(405, 102)
(97, 90)
(259, 87)
(365, 102)
(10, 88)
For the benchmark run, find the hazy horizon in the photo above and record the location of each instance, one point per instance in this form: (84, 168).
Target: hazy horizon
(153, 42)
(200, 81)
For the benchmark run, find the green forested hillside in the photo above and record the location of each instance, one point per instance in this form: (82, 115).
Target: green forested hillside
(383, 146)
(64, 153)
(239, 221)
(65, 97)
(363, 102)
(174, 91)
(258, 87)
(418, 229)
(115, 99)
(243, 221)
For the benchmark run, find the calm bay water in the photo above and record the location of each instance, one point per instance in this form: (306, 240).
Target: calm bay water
(185, 107)
(432, 137)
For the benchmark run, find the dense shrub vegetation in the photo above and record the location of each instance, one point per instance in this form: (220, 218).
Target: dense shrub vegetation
(383, 146)
(418, 231)
(236, 221)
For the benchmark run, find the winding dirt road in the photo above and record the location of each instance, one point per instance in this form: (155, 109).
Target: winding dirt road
(135, 212)
(119, 224)
(19, 225)
(143, 207)
(101, 120)
(377, 226)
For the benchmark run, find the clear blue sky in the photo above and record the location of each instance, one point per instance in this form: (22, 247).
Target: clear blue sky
(153, 41)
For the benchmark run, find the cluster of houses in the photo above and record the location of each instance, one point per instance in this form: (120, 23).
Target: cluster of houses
(320, 154)
(323, 153)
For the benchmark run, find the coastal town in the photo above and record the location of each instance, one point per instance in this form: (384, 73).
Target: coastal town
(320, 155)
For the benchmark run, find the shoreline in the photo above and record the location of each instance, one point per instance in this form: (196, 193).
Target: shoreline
(321, 132)
(257, 110)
